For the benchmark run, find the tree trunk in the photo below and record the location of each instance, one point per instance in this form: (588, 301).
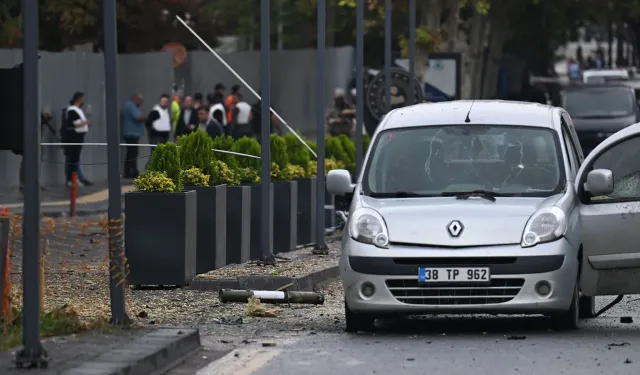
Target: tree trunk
(429, 13)
(474, 55)
(499, 28)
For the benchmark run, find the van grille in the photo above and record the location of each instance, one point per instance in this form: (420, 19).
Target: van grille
(412, 292)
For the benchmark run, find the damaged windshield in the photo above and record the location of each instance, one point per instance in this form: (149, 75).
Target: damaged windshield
(439, 160)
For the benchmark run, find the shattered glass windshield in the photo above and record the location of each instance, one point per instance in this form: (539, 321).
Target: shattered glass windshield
(435, 160)
(623, 160)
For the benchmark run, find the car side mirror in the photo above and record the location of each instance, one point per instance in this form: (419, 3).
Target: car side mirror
(599, 182)
(339, 182)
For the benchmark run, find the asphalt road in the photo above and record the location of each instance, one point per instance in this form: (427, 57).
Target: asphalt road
(441, 345)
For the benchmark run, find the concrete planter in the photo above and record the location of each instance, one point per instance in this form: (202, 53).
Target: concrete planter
(211, 248)
(160, 237)
(285, 216)
(256, 207)
(306, 211)
(238, 224)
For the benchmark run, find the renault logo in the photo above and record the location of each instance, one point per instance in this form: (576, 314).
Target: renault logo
(455, 228)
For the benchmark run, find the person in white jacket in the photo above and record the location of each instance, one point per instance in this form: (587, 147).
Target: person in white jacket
(158, 122)
(75, 128)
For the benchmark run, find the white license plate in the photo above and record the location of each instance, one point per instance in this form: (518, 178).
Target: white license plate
(454, 275)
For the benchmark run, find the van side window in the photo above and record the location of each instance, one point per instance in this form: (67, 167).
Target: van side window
(571, 151)
(574, 137)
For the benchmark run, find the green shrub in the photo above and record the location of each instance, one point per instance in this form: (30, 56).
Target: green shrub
(221, 174)
(312, 171)
(195, 177)
(249, 146)
(225, 143)
(154, 182)
(349, 148)
(279, 153)
(335, 151)
(196, 150)
(166, 158)
(329, 165)
(312, 144)
(277, 174)
(298, 153)
(248, 176)
(296, 172)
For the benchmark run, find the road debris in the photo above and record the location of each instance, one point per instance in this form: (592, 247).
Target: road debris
(271, 296)
(626, 319)
(516, 337)
(257, 309)
(618, 345)
(268, 344)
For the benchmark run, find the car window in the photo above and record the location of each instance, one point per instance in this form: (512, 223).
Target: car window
(599, 102)
(573, 160)
(510, 160)
(623, 160)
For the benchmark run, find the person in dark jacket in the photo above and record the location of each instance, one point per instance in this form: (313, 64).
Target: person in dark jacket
(188, 118)
(213, 125)
(158, 122)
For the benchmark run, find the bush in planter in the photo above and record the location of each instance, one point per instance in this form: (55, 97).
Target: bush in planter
(249, 146)
(154, 182)
(166, 158)
(334, 150)
(196, 150)
(298, 153)
(329, 164)
(248, 176)
(295, 172)
(221, 174)
(195, 177)
(225, 143)
(350, 152)
(279, 152)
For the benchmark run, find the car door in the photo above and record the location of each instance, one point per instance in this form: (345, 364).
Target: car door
(610, 224)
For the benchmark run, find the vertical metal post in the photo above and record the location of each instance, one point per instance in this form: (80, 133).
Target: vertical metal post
(32, 353)
(359, 83)
(116, 251)
(412, 52)
(387, 55)
(265, 84)
(320, 92)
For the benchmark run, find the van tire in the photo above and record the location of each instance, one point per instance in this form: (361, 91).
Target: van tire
(357, 322)
(587, 307)
(570, 319)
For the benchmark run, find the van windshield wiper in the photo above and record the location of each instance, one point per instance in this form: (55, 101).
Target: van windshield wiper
(488, 195)
(400, 194)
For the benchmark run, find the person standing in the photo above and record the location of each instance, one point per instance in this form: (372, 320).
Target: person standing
(77, 126)
(175, 112)
(132, 123)
(216, 105)
(241, 120)
(230, 102)
(213, 127)
(188, 118)
(159, 121)
(197, 100)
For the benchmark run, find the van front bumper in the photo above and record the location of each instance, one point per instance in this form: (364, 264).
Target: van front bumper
(516, 276)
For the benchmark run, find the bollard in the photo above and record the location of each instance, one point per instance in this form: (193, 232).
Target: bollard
(5, 266)
(74, 194)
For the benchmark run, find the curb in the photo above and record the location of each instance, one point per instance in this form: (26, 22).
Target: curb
(145, 355)
(63, 211)
(267, 282)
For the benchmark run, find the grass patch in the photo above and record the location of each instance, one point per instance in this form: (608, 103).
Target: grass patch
(58, 322)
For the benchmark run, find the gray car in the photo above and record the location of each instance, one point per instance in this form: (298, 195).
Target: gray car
(488, 207)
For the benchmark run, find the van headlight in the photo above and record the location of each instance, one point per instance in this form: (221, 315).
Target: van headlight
(546, 225)
(366, 225)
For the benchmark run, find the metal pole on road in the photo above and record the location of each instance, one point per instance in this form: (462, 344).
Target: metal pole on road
(412, 52)
(320, 92)
(387, 55)
(32, 354)
(265, 135)
(359, 83)
(116, 250)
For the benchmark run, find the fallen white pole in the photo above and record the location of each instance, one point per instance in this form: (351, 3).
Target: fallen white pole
(246, 85)
(142, 145)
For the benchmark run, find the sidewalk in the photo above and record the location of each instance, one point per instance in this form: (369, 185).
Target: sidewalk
(55, 199)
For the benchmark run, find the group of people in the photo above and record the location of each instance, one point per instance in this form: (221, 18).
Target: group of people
(219, 114)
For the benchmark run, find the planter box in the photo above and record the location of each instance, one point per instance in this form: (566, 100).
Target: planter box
(285, 216)
(211, 243)
(329, 209)
(238, 224)
(256, 227)
(160, 237)
(306, 211)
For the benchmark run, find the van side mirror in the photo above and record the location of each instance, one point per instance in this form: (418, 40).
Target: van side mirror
(599, 182)
(339, 182)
